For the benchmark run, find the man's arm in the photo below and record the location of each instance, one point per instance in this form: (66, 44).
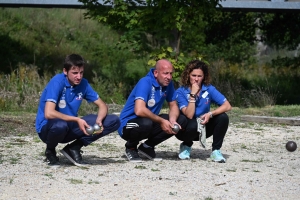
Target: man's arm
(51, 113)
(174, 112)
(102, 112)
(141, 110)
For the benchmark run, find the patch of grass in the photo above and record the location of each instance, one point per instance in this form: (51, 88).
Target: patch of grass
(140, 167)
(86, 168)
(231, 170)
(74, 181)
(36, 139)
(108, 147)
(22, 134)
(14, 160)
(49, 176)
(93, 182)
(155, 170)
(254, 161)
(172, 193)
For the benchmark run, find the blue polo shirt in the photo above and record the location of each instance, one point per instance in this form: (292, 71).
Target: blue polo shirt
(66, 97)
(208, 94)
(148, 90)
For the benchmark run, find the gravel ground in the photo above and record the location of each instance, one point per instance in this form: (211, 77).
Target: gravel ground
(258, 167)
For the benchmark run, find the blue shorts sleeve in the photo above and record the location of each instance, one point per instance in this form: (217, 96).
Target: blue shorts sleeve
(181, 98)
(90, 95)
(53, 91)
(143, 89)
(216, 96)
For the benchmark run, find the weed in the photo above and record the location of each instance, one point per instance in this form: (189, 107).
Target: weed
(75, 181)
(254, 161)
(108, 147)
(140, 167)
(93, 182)
(86, 168)
(49, 176)
(172, 193)
(231, 170)
(36, 139)
(14, 160)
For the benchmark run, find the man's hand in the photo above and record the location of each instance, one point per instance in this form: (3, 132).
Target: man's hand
(99, 122)
(83, 125)
(167, 127)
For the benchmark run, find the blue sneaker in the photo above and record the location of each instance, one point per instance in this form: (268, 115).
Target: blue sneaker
(216, 156)
(184, 152)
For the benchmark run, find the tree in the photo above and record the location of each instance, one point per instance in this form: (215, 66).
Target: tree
(151, 24)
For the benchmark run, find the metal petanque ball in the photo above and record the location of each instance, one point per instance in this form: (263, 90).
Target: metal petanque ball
(176, 128)
(90, 130)
(97, 127)
(291, 146)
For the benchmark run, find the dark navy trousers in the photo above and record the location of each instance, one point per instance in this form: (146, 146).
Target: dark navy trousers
(59, 131)
(216, 127)
(147, 129)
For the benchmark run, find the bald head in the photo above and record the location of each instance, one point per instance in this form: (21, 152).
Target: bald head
(163, 63)
(163, 72)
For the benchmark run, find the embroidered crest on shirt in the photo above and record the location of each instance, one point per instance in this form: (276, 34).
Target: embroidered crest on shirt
(62, 103)
(151, 101)
(79, 96)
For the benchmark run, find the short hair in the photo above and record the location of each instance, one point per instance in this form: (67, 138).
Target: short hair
(73, 60)
(195, 64)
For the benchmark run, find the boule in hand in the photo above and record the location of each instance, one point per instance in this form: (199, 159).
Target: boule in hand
(176, 128)
(90, 130)
(97, 127)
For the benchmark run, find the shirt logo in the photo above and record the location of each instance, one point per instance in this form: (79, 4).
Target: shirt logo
(62, 104)
(79, 96)
(207, 101)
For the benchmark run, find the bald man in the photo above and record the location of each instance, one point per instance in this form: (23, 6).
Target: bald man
(141, 118)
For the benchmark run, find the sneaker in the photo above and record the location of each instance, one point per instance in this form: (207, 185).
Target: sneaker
(184, 152)
(73, 155)
(147, 152)
(216, 156)
(51, 158)
(132, 155)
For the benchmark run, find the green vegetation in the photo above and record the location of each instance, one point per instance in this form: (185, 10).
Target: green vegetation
(75, 181)
(35, 41)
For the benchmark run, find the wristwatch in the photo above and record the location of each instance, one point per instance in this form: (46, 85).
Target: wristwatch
(193, 95)
(210, 114)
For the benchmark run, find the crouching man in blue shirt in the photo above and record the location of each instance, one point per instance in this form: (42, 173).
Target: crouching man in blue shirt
(140, 118)
(57, 120)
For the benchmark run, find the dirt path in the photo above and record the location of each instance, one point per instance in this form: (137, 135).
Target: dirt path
(258, 167)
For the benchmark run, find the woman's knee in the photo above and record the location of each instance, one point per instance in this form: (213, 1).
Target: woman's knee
(222, 118)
